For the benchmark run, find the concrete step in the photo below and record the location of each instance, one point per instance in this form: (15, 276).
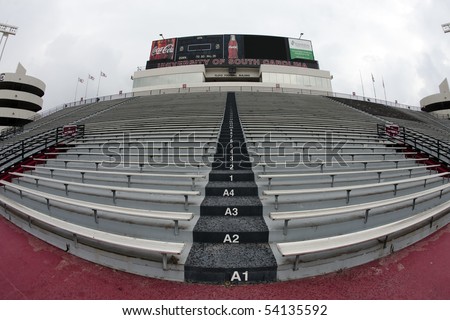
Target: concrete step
(227, 157)
(225, 263)
(226, 175)
(228, 148)
(231, 206)
(237, 165)
(231, 230)
(231, 189)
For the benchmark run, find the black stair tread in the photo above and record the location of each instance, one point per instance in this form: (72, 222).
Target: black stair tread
(231, 201)
(238, 175)
(237, 165)
(222, 256)
(230, 224)
(230, 185)
(219, 159)
(227, 173)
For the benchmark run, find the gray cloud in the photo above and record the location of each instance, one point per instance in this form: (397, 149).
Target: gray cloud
(400, 41)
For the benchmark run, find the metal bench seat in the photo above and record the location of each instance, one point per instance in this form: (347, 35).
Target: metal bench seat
(299, 248)
(364, 207)
(128, 175)
(332, 174)
(348, 189)
(124, 212)
(113, 189)
(103, 240)
(274, 165)
(140, 164)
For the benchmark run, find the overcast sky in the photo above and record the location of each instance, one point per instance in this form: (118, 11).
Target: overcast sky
(400, 41)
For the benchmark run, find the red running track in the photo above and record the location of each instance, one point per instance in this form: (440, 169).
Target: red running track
(32, 269)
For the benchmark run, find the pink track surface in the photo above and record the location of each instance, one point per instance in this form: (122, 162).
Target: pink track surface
(32, 269)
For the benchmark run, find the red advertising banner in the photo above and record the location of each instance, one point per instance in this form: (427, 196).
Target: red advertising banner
(70, 130)
(163, 49)
(392, 130)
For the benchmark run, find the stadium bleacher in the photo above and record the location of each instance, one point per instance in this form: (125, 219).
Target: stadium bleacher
(229, 187)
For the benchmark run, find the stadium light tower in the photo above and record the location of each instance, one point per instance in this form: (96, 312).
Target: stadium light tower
(446, 27)
(6, 30)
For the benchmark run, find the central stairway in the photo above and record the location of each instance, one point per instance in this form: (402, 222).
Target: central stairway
(230, 240)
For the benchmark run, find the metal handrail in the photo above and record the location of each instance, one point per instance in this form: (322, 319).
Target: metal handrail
(19, 151)
(435, 148)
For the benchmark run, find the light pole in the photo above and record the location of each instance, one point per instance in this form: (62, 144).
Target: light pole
(6, 30)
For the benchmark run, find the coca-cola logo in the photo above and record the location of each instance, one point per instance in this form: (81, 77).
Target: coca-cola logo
(168, 49)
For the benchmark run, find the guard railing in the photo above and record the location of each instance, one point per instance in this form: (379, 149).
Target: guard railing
(17, 152)
(434, 148)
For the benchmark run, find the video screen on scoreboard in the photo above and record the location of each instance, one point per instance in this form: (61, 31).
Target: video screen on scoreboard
(202, 47)
(265, 47)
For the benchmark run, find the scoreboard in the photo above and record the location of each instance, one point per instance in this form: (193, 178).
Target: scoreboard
(231, 50)
(205, 47)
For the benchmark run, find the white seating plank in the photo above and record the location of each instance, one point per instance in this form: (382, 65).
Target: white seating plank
(122, 211)
(101, 238)
(298, 248)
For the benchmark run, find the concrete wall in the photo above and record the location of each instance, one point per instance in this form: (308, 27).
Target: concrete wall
(263, 75)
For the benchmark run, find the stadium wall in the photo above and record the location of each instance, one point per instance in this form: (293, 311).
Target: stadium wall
(263, 76)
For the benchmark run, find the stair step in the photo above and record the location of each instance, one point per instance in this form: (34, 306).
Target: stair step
(231, 224)
(227, 157)
(237, 147)
(231, 189)
(224, 175)
(234, 206)
(237, 165)
(223, 263)
(236, 136)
